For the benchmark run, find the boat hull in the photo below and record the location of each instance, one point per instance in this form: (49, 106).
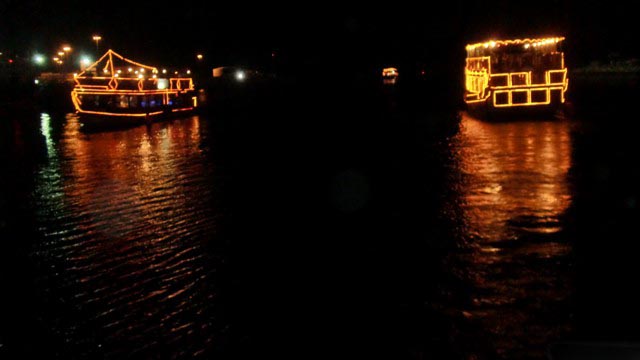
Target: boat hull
(91, 120)
(487, 111)
(102, 109)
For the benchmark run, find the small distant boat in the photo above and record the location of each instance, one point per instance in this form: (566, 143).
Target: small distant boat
(116, 90)
(389, 75)
(389, 72)
(515, 74)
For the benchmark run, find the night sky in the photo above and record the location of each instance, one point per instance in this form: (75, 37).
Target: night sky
(236, 31)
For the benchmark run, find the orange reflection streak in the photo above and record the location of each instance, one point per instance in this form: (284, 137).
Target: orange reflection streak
(133, 166)
(124, 217)
(513, 268)
(516, 170)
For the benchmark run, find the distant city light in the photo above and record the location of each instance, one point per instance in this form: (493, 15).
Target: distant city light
(38, 59)
(60, 53)
(36, 81)
(140, 76)
(240, 75)
(199, 56)
(130, 69)
(164, 71)
(188, 71)
(97, 39)
(66, 49)
(55, 58)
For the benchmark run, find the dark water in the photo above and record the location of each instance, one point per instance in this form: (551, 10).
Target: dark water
(515, 259)
(119, 223)
(385, 232)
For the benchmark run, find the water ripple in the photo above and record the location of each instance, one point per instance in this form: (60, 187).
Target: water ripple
(124, 218)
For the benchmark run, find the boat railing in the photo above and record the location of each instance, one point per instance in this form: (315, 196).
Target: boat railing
(515, 88)
(181, 84)
(520, 91)
(132, 84)
(92, 87)
(524, 79)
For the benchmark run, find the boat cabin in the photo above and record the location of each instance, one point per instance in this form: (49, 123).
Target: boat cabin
(516, 73)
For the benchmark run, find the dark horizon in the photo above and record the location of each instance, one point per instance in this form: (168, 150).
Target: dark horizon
(327, 33)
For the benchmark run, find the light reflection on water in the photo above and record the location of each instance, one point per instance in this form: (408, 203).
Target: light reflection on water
(516, 176)
(124, 216)
(513, 271)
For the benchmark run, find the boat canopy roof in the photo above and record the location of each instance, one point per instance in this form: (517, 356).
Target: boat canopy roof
(112, 63)
(487, 48)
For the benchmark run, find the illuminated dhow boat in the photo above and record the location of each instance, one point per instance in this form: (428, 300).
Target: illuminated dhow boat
(515, 74)
(115, 89)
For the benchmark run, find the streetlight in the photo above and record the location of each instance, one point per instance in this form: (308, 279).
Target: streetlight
(97, 39)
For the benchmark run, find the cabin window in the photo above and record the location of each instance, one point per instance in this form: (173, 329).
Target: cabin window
(538, 96)
(123, 102)
(556, 77)
(519, 97)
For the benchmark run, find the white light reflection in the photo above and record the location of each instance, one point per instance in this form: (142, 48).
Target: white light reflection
(45, 130)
